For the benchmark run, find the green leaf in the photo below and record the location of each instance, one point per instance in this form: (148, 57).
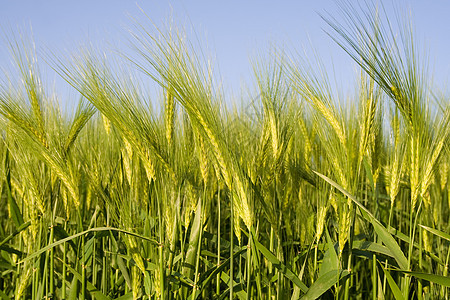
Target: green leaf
(324, 283)
(368, 172)
(73, 291)
(11, 250)
(88, 250)
(14, 210)
(61, 233)
(191, 253)
(211, 274)
(381, 231)
(440, 234)
(18, 230)
(438, 279)
(394, 287)
(403, 237)
(372, 248)
(123, 270)
(180, 278)
(330, 260)
(6, 265)
(4, 296)
(96, 229)
(90, 287)
(280, 266)
(237, 288)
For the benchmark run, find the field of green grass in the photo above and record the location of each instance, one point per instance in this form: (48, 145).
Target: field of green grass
(296, 194)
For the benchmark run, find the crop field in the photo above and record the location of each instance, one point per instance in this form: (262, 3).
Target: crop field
(299, 193)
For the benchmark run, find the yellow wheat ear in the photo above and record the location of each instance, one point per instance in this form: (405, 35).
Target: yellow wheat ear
(106, 124)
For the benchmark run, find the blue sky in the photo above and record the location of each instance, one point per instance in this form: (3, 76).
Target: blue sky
(235, 31)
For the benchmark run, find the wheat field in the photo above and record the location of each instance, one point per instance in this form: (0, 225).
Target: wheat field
(296, 194)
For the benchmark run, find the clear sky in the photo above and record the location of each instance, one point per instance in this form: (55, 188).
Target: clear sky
(235, 31)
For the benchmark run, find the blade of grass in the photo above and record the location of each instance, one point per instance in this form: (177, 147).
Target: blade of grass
(42, 250)
(394, 287)
(324, 283)
(283, 269)
(436, 232)
(382, 232)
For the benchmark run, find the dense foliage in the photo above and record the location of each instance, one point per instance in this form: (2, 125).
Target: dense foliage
(295, 194)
